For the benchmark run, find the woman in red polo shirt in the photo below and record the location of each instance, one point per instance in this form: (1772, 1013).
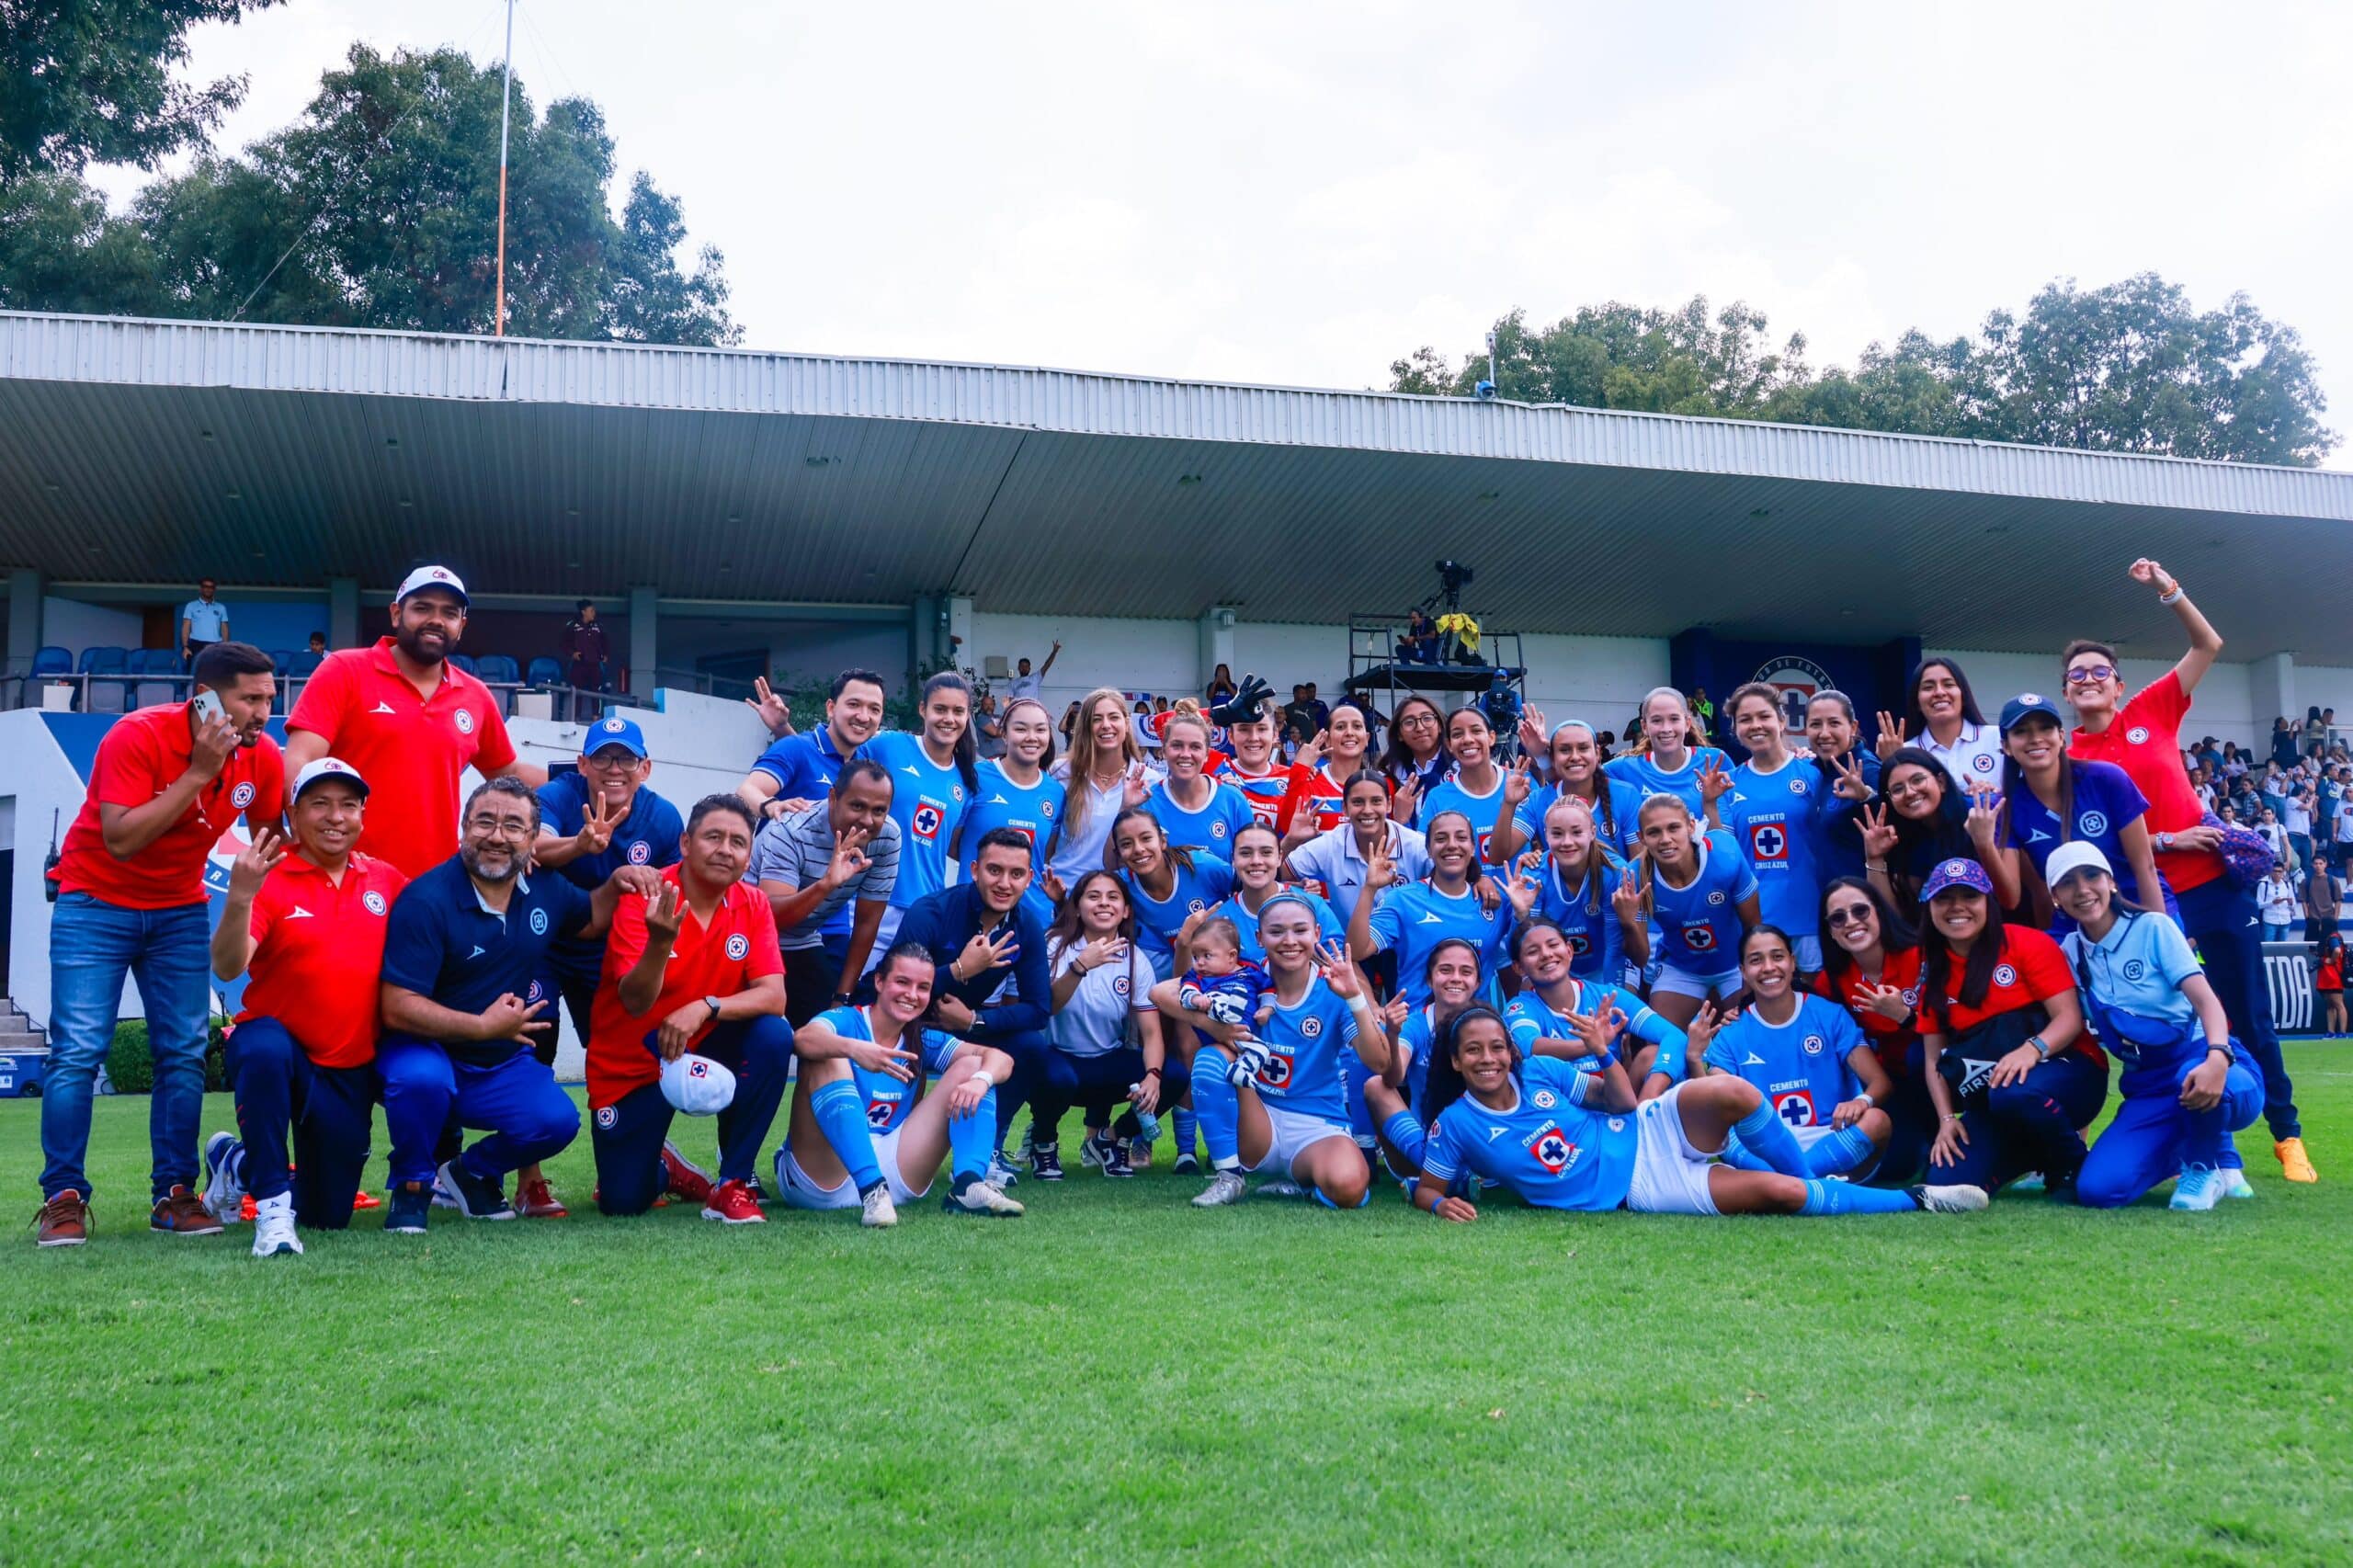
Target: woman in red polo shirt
(1871, 963)
(2142, 736)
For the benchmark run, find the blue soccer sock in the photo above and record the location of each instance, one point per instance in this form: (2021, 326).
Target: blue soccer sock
(1218, 1107)
(1736, 1156)
(1838, 1152)
(841, 1116)
(1188, 1131)
(1846, 1198)
(1769, 1139)
(1403, 1133)
(971, 1140)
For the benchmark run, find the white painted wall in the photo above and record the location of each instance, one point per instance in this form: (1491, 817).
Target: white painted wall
(2223, 706)
(70, 623)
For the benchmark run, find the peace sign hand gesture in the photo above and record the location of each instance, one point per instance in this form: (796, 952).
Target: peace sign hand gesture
(1406, 799)
(596, 824)
(1892, 736)
(1703, 1028)
(1520, 782)
(255, 861)
(1340, 972)
(1310, 755)
(664, 915)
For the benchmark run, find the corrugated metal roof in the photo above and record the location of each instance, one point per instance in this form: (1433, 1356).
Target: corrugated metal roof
(145, 451)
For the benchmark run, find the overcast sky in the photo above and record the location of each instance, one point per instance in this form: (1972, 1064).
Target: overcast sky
(1299, 193)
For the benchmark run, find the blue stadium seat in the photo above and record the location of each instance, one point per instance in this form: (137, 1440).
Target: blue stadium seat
(464, 661)
(98, 662)
(544, 672)
(305, 663)
(54, 661)
(155, 662)
(497, 669)
(283, 659)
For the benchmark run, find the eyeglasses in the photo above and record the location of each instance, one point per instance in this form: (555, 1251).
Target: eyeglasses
(1854, 915)
(505, 827)
(2091, 673)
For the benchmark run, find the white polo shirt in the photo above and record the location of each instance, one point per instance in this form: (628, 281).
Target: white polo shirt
(1974, 758)
(1331, 858)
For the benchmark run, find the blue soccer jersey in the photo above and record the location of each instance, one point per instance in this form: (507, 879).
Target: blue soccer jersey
(1418, 1037)
(1329, 926)
(1303, 1046)
(1030, 811)
(1699, 926)
(1200, 887)
(1452, 796)
(928, 803)
(1775, 817)
(1224, 815)
(1648, 778)
(1531, 1018)
(1413, 918)
(1240, 991)
(1596, 940)
(1800, 1066)
(1547, 1147)
(1620, 831)
(887, 1100)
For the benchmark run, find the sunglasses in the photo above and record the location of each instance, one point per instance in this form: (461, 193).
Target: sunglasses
(2091, 673)
(1839, 919)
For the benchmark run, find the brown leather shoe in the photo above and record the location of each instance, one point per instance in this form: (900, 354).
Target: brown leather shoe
(64, 1220)
(183, 1213)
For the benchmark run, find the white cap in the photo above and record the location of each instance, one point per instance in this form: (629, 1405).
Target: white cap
(432, 577)
(2071, 858)
(698, 1085)
(328, 768)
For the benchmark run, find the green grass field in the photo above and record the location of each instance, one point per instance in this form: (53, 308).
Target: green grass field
(1118, 1377)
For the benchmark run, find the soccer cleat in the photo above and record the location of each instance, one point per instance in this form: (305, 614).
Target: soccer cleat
(2234, 1183)
(2294, 1163)
(475, 1198)
(971, 1195)
(406, 1208)
(1250, 1059)
(536, 1199)
(183, 1213)
(1948, 1199)
(1116, 1162)
(1097, 1149)
(274, 1228)
(224, 1175)
(2031, 1181)
(1001, 1173)
(2199, 1188)
(1138, 1155)
(730, 1203)
(1046, 1161)
(1225, 1187)
(1188, 1164)
(688, 1180)
(880, 1212)
(64, 1220)
(1282, 1186)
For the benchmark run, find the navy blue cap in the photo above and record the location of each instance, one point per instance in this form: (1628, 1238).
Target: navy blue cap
(2019, 708)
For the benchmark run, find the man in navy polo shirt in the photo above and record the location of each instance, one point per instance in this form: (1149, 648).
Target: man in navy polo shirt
(799, 770)
(465, 960)
(592, 822)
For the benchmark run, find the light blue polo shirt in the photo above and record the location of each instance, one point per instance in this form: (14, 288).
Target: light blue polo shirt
(2138, 967)
(206, 623)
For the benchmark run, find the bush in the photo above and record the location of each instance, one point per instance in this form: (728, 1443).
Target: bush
(131, 1064)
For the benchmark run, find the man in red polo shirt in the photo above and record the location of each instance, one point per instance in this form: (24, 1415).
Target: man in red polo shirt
(410, 722)
(167, 783)
(695, 968)
(308, 927)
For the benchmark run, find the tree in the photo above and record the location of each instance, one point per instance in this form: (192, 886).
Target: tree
(1621, 356)
(85, 81)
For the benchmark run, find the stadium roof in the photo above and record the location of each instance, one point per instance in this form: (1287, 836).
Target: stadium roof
(156, 451)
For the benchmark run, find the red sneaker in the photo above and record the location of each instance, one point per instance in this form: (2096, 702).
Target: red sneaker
(537, 1200)
(246, 1210)
(688, 1180)
(366, 1200)
(730, 1203)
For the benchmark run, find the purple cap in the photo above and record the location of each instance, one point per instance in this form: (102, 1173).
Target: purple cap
(1957, 872)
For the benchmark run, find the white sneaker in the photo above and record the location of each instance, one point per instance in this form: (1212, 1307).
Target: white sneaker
(274, 1228)
(1950, 1199)
(1225, 1187)
(224, 1186)
(2031, 1181)
(980, 1198)
(880, 1213)
(2199, 1188)
(2234, 1183)
(1002, 1176)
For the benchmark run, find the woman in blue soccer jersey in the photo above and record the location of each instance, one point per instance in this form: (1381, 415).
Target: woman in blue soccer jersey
(1416, 760)
(1573, 760)
(1570, 1135)
(1920, 821)
(1701, 895)
(1591, 894)
(2048, 799)
(1110, 1047)
(2187, 1084)
(1940, 717)
(865, 1134)
(1257, 877)
(1394, 1100)
(1669, 764)
(934, 777)
(1474, 785)
(1409, 917)
(1272, 1098)
(1018, 791)
(1542, 1018)
(1168, 886)
(1774, 813)
(1195, 811)
(1805, 1054)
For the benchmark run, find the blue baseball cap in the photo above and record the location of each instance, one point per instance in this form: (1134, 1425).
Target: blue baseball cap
(614, 732)
(2018, 708)
(1957, 872)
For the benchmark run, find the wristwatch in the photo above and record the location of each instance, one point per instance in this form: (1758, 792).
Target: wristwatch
(2040, 1049)
(712, 1003)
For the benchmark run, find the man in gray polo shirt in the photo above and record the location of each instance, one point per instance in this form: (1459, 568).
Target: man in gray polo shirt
(810, 863)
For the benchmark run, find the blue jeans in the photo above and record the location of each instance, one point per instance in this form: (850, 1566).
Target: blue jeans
(2274, 931)
(91, 946)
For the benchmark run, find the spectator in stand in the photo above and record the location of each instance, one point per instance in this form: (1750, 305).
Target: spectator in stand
(1220, 687)
(2267, 823)
(1703, 714)
(318, 649)
(1069, 727)
(2275, 900)
(2315, 733)
(2283, 742)
(167, 782)
(988, 733)
(586, 658)
(204, 622)
(1147, 737)
(2296, 816)
(1023, 683)
(1298, 717)
(2344, 816)
(1318, 708)
(2320, 901)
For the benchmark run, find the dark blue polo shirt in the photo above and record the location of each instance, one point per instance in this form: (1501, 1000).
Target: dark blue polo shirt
(804, 765)
(442, 944)
(944, 921)
(647, 836)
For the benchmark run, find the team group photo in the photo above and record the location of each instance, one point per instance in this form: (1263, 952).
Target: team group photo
(622, 946)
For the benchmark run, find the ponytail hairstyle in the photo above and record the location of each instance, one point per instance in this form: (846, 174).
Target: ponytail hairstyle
(1596, 858)
(1650, 867)
(1177, 855)
(968, 744)
(1444, 1084)
(1604, 808)
(1046, 759)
